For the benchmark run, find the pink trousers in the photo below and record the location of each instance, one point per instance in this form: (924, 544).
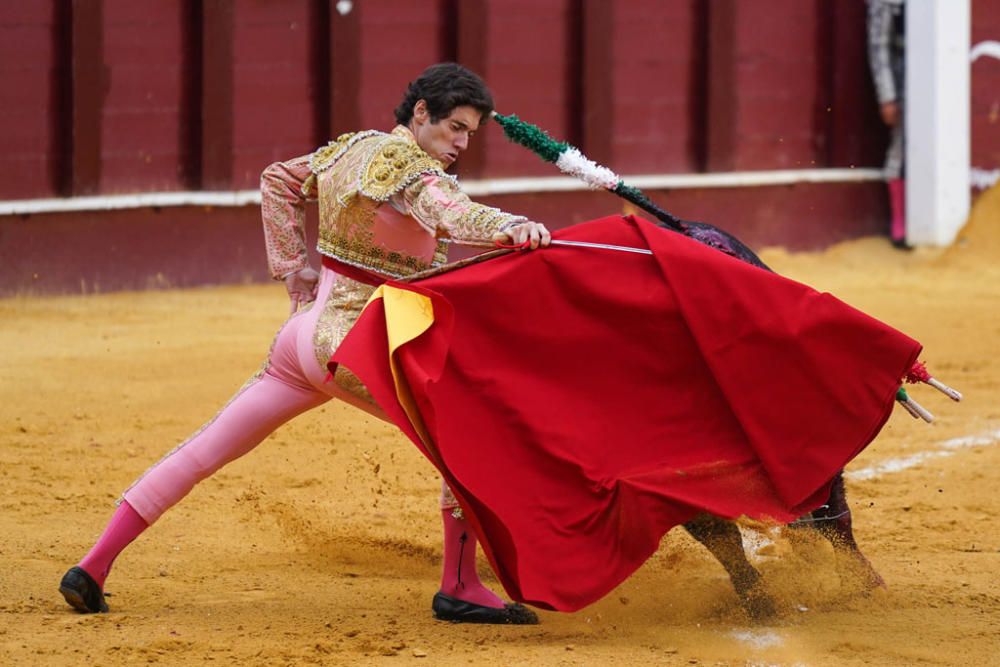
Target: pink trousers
(291, 382)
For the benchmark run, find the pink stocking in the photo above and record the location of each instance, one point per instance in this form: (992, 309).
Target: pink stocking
(459, 578)
(897, 206)
(125, 526)
(256, 411)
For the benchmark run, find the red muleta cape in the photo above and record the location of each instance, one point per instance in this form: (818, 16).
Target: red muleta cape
(582, 402)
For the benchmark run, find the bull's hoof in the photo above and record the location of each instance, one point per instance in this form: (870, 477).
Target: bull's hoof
(757, 604)
(871, 578)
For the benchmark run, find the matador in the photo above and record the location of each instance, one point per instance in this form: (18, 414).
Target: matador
(387, 210)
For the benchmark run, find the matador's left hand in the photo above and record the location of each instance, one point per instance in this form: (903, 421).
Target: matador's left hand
(302, 287)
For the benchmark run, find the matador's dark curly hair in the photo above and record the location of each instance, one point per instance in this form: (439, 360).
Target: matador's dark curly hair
(445, 86)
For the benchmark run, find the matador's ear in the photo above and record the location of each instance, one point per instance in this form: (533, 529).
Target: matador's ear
(420, 110)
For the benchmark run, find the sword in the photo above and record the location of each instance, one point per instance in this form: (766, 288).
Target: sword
(602, 246)
(506, 250)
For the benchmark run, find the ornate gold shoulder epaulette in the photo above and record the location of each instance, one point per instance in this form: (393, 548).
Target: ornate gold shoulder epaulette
(324, 157)
(393, 164)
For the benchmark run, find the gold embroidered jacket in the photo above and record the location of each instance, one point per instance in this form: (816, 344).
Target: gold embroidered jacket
(385, 206)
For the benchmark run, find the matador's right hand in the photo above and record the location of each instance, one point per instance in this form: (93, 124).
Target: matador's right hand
(302, 287)
(534, 234)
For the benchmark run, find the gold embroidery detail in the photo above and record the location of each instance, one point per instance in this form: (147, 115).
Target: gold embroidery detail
(471, 220)
(342, 308)
(394, 164)
(347, 209)
(324, 157)
(308, 186)
(440, 254)
(449, 502)
(350, 383)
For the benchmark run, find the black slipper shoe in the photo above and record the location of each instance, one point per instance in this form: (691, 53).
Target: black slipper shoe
(82, 592)
(447, 608)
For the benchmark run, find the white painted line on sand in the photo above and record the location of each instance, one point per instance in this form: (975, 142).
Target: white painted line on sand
(943, 450)
(757, 638)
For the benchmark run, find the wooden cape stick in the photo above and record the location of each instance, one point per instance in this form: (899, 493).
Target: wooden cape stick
(451, 266)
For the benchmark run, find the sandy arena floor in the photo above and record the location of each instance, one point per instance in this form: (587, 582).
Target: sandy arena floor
(321, 547)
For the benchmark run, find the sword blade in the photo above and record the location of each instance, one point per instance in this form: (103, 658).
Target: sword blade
(602, 246)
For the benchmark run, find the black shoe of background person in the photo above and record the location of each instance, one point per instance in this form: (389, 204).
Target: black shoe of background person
(458, 611)
(82, 592)
(901, 244)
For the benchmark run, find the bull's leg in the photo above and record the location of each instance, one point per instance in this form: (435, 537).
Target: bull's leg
(722, 538)
(833, 521)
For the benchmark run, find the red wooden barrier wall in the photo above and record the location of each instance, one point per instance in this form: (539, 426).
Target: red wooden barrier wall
(120, 96)
(117, 96)
(644, 85)
(986, 88)
(30, 98)
(141, 97)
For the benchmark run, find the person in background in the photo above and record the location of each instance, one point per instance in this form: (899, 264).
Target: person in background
(886, 58)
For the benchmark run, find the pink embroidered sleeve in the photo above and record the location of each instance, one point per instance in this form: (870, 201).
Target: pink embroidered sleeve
(443, 209)
(283, 194)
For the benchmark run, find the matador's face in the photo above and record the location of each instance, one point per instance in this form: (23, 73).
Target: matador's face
(449, 136)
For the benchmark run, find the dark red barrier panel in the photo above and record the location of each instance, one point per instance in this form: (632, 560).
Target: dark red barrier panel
(525, 51)
(644, 85)
(273, 117)
(141, 100)
(804, 216)
(986, 88)
(763, 84)
(850, 132)
(145, 248)
(399, 38)
(133, 249)
(28, 120)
